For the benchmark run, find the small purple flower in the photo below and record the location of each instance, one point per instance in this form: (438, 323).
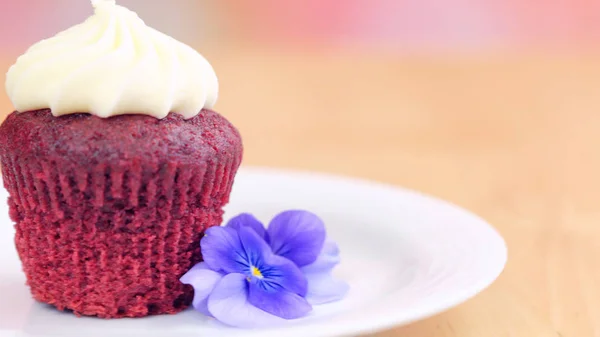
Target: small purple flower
(252, 276)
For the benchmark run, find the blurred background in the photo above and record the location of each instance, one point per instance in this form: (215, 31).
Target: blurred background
(399, 25)
(492, 104)
(376, 81)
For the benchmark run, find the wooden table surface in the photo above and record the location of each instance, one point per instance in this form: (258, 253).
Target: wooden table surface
(514, 138)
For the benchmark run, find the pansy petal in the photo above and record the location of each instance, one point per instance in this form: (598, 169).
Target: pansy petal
(330, 248)
(222, 250)
(248, 220)
(329, 258)
(279, 272)
(324, 288)
(255, 248)
(229, 304)
(279, 302)
(203, 280)
(297, 236)
(276, 271)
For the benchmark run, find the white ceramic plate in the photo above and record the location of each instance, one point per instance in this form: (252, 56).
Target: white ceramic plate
(406, 256)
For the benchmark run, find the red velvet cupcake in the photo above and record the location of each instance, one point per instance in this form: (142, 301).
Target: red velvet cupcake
(111, 187)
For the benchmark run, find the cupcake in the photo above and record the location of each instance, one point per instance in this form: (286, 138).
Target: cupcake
(115, 165)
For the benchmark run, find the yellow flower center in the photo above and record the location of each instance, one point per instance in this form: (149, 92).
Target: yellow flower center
(256, 272)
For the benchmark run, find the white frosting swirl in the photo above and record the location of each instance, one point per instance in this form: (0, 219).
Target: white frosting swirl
(112, 64)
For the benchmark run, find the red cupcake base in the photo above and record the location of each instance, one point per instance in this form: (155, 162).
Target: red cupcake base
(112, 238)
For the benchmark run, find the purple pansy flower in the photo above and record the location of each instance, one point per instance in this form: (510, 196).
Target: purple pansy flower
(252, 276)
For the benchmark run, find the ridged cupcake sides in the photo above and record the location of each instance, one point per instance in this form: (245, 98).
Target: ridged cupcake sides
(111, 240)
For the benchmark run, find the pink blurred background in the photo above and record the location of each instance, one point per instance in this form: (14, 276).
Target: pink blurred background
(389, 24)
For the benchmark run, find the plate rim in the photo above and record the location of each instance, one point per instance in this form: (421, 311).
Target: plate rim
(387, 322)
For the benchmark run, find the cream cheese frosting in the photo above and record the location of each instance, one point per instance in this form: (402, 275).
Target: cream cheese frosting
(112, 64)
